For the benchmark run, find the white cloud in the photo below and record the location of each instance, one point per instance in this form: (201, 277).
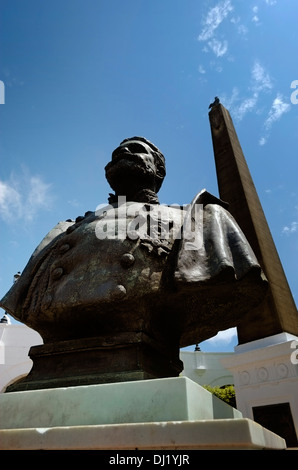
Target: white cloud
(255, 17)
(247, 105)
(255, 10)
(74, 203)
(239, 106)
(288, 230)
(214, 18)
(235, 19)
(261, 78)
(10, 200)
(218, 47)
(212, 21)
(22, 197)
(242, 29)
(224, 337)
(278, 108)
(201, 69)
(229, 101)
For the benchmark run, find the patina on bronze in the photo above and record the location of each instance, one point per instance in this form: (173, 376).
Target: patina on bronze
(119, 307)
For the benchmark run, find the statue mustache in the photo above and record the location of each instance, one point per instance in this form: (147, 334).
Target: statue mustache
(127, 157)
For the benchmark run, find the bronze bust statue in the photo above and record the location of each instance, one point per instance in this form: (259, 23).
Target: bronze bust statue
(117, 292)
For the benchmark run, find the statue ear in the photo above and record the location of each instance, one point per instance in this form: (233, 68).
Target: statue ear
(160, 167)
(161, 171)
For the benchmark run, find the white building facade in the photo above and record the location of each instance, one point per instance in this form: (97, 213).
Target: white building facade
(206, 368)
(15, 342)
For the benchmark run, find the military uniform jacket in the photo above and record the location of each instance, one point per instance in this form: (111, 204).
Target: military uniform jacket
(121, 267)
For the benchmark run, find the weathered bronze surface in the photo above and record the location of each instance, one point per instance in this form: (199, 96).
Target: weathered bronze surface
(96, 360)
(278, 313)
(115, 295)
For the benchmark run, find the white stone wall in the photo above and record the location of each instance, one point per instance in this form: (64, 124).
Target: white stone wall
(15, 342)
(206, 368)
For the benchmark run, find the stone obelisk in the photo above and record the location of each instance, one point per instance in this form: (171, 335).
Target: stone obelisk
(278, 313)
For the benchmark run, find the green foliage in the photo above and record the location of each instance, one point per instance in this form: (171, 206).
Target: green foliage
(226, 394)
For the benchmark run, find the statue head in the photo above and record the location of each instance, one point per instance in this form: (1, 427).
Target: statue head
(136, 165)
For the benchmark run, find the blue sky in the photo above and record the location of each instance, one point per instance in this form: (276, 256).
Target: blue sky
(81, 75)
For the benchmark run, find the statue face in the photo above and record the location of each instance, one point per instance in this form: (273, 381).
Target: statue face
(135, 151)
(132, 168)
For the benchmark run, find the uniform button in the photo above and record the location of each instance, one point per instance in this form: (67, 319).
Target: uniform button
(47, 300)
(64, 248)
(119, 292)
(57, 273)
(133, 234)
(127, 260)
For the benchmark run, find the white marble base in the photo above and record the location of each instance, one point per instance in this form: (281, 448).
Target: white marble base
(171, 399)
(174, 413)
(221, 434)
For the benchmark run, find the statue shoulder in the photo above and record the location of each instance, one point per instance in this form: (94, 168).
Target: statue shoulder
(12, 301)
(205, 198)
(60, 228)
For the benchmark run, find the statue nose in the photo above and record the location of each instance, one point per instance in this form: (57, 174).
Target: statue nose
(119, 151)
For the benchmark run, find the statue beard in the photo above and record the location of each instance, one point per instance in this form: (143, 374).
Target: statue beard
(132, 178)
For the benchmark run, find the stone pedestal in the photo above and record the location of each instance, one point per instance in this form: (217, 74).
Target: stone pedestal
(119, 358)
(266, 383)
(174, 413)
